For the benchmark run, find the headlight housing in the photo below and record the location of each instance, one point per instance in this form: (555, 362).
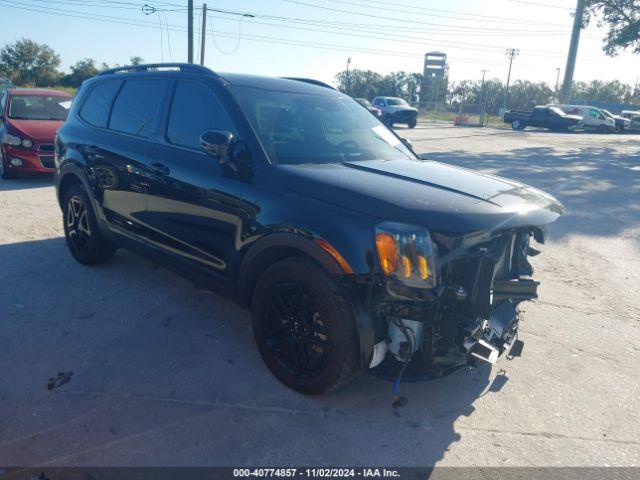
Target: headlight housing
(26, 143)
(407, 254)
(12, 140)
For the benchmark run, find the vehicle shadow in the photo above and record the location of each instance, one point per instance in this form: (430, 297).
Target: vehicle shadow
(161, 372)
(24, 182)
(598, 186)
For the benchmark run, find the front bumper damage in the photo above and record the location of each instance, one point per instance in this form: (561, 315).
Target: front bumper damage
(472, 316)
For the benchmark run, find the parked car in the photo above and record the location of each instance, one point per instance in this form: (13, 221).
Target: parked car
(295, 201)
(634, 118)
(542, 117)
(29, 120)
(592, 118)
(621, 123)
(5, 84)
(396, 110)
(367, 104)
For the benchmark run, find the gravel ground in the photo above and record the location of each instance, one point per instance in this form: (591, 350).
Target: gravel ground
(165, 373)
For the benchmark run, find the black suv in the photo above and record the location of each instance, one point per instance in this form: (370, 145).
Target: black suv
(292, 198)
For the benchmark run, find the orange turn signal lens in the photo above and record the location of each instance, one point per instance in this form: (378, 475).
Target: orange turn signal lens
(387, 252)
(406, 266)
(423, 266)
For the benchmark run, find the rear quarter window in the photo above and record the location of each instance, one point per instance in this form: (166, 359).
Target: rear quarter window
(137, 108)
(95, 109)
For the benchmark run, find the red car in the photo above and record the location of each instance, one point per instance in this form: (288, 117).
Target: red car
(29, 120)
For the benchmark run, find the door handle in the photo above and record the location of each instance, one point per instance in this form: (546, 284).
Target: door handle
(159, 169)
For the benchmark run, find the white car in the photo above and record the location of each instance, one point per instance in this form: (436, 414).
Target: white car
(592, 117)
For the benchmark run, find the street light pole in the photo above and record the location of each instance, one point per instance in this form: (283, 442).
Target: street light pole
(203, 36)
(573, 53)
(190, 31)
(511, 53)
(348, 76)
(482, 99)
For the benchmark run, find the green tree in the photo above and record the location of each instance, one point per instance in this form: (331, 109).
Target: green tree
(81, 71)
(359, 83)
(136, 61)
(26, 62)
(622, 18)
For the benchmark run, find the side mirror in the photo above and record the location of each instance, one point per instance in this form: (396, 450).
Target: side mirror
(217, 143)
(407, 143)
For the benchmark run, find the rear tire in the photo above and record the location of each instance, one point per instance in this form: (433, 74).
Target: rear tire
(517, 125)
(304, 327)
(412, 123)
(84, 239)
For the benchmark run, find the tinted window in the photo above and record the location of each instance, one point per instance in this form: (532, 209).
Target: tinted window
(98, 103)
(137, 107)
(379, 102)
(194, 110)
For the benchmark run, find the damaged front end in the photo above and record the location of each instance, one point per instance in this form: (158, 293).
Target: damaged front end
(466, 308)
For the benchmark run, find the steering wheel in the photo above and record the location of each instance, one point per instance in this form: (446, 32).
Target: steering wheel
(348, 145)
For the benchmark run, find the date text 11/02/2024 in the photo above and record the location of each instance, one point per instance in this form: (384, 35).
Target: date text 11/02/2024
(317, 472)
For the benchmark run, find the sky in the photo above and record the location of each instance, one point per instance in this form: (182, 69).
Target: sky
(314, 38)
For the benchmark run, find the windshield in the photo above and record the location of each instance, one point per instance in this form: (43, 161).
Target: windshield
(39, 107)
(607, 113)
(296, 128)
(396, 101)
(557, 111)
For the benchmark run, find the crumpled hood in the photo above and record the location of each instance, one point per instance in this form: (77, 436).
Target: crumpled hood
(41, 130)
(441, 197)
(574, 117)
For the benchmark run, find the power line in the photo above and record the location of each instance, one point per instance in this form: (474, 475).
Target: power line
(264, 39)
(400, 38)
(541, 4)
(393, 7)
(403, 20)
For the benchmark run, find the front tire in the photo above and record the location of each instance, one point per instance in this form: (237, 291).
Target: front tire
(412, 123)
(5, 172)
(517, 125)
(84, 239)
(388, 121)
(304, 327)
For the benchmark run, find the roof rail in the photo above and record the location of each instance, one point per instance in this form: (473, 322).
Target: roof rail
(311, 81)
(158, 67)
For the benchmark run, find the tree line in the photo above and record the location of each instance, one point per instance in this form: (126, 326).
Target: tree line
(29, 63)
(522, 93)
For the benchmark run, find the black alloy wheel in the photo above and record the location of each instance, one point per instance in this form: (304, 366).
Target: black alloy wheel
(297, 331)
(84, 239)
(77, 223)
(304, 327)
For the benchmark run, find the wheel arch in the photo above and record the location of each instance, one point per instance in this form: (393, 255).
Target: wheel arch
(275, 247)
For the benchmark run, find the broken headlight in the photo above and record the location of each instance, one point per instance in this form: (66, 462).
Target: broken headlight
(406, 253)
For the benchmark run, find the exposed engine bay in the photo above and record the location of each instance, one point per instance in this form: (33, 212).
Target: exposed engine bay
(472, 315)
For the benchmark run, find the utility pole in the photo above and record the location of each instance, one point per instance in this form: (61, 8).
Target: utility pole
(573, 53)
(557, 80)
(203, 37)
(190, 31)
(511, 53)
(348, 76)
(482, 99)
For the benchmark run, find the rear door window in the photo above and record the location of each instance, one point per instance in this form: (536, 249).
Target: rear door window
(97, 106)
(137, 107)
(194, 110)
